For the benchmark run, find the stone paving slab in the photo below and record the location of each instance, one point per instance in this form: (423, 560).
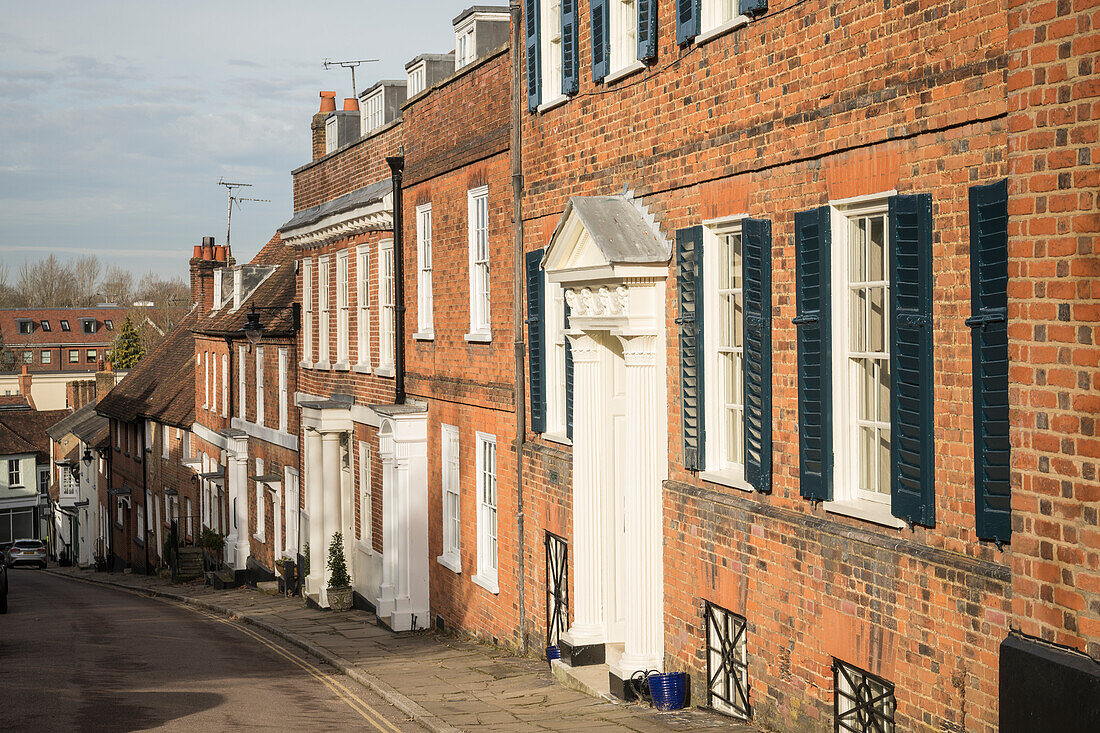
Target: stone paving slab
(446, 684)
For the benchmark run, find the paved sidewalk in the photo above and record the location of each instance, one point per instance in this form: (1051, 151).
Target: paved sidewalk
(446, 684)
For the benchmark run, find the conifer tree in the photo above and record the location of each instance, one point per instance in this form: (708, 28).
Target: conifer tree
(128, 349)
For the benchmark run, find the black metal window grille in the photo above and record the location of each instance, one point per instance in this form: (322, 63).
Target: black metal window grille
(727, 662)
(863, 702)
(557, 587)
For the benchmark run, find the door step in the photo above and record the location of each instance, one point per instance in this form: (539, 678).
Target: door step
(591, 679)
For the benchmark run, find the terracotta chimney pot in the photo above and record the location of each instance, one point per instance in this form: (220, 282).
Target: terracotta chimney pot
(328, 102)
(219, 252)
(351, 104)
(198, 252)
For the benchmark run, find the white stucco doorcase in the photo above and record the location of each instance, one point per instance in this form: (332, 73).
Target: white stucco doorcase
(612, 262)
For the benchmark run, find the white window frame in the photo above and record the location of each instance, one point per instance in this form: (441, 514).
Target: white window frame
(140, 515)
(238, 289)
(717, 17)
(477, 213)
(623, 35)
(219, 273)
(261, 523)
(343, 312)
(190, 506)
(362, 303)
(554, 327)
(307, 320)
(284, 396)
(721, 467)
(366, 494)
(416, 79)
(165, 437)
(225, 384)
(425, 322)
(46, 357)
(206, 381)
(465, 44)
(372, 111)
(323, 311)
(551, 53)
(451, 507)
(848, 498)
(148, 435)
(15, 473)
(488, 502)
(259, 385)
(331, 133)
(291, 510)
(242, 360)
(385, 308)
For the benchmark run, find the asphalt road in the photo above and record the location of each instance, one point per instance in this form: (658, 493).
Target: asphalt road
(81, 657)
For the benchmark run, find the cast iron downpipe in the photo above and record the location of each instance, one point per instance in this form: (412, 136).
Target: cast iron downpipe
(517, 299)
(397, 166)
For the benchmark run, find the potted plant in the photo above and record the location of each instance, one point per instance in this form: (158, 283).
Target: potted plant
(339, 583)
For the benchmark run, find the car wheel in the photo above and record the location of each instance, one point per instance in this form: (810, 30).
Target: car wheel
(4, 604)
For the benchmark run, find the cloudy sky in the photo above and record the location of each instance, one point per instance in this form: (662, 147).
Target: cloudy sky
(117, 118)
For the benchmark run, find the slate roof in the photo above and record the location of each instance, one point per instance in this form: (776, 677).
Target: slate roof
(86, 424)
(276, 290)
(24, 431)
(369, 194)
(162, 385)
(621, 230)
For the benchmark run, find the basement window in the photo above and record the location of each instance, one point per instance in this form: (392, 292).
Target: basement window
(727, 662)
(863, 702)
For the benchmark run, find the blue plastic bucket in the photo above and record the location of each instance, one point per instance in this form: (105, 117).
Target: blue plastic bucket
(668, 690)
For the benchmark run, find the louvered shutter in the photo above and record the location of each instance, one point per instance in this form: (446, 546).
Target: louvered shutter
(689, 279)
(534, 52)
(912, 457)
(568, 376)
(687, 20)
(753, 7)
(601, 42)
(989, 332)
(570, 59)
(815, 400)
(647, 30)
(756, 247)
(536, 340)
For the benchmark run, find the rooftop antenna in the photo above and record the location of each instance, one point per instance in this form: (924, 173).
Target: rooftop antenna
(229, 186)
(328, 64)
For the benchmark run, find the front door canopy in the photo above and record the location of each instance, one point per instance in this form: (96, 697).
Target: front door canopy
(605, 238)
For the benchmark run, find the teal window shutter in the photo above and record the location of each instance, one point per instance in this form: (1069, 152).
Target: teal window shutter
(813, 240)
(753, 7)
(534, 53)
(570, 59)
(536, 339)
(687, 20)
(601, 39)
(912, 452)
(689, 279)
(989, 333)
(647, 30)
(756, 246)
(568, 376)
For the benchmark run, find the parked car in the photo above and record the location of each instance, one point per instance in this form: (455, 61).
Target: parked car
(27, 552)
(3, 584)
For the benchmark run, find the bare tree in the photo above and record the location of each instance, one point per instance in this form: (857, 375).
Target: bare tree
(86, 272)
(117, 285)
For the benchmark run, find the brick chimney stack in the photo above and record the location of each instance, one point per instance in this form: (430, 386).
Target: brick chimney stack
(25, 384)
(328, 104)
(104, 381)
(206, 258)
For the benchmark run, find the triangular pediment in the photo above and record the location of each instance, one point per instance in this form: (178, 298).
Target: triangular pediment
(600, 233)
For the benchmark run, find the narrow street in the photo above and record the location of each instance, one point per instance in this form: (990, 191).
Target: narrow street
(80, 657)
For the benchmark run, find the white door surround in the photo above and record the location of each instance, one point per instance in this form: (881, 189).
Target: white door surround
(612, 261)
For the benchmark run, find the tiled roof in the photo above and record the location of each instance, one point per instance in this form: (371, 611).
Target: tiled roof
(24, 431)
(162, 385)
(276, 291)
(14, 402)
(10, 317)
(86, 424)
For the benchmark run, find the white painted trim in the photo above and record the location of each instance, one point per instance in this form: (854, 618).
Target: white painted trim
(552, 104)
(624, 72)
(559, 438)
(361, 368)
(478, 338)
(726, 479)
(210, 436)
(724, 221)
(866, 510)
(868, 199)
(266, 434)
(487, 583)
(384, 371)
(377, 216)
(448, 562)
(363, 415)
(720, 30)
(424, 336)
(341, 366)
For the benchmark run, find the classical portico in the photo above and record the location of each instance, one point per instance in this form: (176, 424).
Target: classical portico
(611, 259)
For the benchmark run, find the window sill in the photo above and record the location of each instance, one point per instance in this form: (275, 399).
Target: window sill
(322, 365)
(451, 563)
(306, 364)
(341, 366)
(424, 336)
(479, 337)
(561, 438)
(384, 371)
(629, 69)
(726, 478)
(139, 542)
(259, 538)
(361, 368)
(721, 30)
(489, 584)
(866, 510)
(555, 102)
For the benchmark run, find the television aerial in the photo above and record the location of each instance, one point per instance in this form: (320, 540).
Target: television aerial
(328, 64)
(235, 200)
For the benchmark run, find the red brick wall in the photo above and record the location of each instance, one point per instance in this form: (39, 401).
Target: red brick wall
(171, 473)
(347, 169)
(1054, 307)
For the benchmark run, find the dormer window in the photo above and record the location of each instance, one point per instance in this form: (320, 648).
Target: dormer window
(478, 31)
(236, 288)
(416, 79)
(464, 47)
(88, 325)
(26, 326)
(380, 105)
(45, 325)
(218, 288)
(109, 324)
(64, 325)
(372, 111)
(331, 134)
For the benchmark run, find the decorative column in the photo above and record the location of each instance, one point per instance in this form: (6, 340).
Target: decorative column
(386, 595)
(314, 503)
(331, 474)
(643, 502)
(238, 497)
(589, 454)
